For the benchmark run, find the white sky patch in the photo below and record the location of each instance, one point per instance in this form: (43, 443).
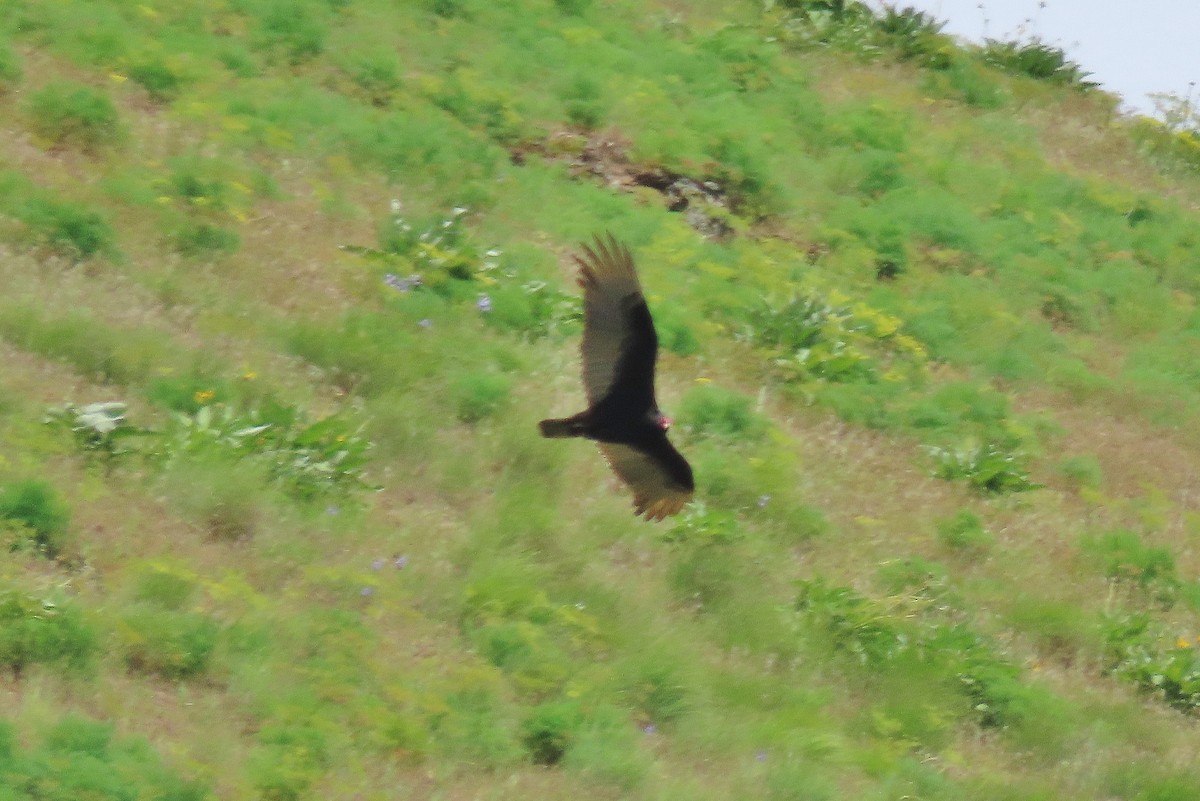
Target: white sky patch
(1131, 48)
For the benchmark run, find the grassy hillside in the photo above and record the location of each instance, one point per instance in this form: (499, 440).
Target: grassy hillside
(287, 286)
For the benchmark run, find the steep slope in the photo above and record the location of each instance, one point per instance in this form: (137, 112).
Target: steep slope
(930, 330)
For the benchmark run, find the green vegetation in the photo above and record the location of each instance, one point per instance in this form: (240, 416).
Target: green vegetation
(288, 283)
(69, 115)
(35, 513)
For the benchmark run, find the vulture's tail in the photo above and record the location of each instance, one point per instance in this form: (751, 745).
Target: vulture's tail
(564, 427)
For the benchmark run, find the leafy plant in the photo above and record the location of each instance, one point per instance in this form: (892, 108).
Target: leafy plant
(844, 24)
(99, 429)
(1136, 653)
(917, 35)
(434, 257)
(1036, 59)
(987, 467)
(307, 458)
(824, 337)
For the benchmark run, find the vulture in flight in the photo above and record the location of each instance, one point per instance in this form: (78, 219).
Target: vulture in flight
(618, 354)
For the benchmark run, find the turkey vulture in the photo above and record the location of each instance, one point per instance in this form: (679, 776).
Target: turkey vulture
(618, 353)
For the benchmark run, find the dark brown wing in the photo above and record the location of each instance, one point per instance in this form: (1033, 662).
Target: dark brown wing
(661, 479)
(618, 334)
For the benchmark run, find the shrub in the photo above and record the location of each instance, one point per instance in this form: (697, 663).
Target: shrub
(288, 761)
(289, 26)
(159, 77)
(1126, 559)
(607, 748)
(525, 634)
(80, 758)
(94, 349)
(172, 644)
(164, 588)
(479, 395)
(1082, 471)
(745, 174)
(70, 114)
(550, 729)
(711, 411)
(225, 498)
(654, 685)
(854, 623)
(968, 81)
(893, 634)
(377, 75)
(36, 631)
(964, 531)
(37, 506)
(582, 99)
(70, 229)
(204, 239)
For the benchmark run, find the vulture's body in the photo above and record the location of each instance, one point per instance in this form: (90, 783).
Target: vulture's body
(619, 351)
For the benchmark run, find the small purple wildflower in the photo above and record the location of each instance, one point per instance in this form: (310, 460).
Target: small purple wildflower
(377, 564)
(761, 756)
(650, 728)
(367, 592)
(763, 500)
(484, 304)
(401, 562)
(332, 510)
(426, 323)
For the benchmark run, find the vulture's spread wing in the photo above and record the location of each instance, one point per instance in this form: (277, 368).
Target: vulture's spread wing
(619, 344)
(659, 476)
